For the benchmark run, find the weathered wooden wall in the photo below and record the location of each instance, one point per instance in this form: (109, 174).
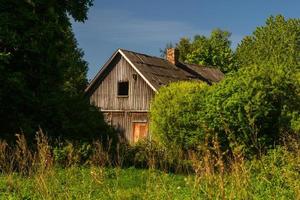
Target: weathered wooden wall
(122, 112)
(123, 121)
(105, 95)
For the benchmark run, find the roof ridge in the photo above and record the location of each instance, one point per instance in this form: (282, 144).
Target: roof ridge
(202, 66)
(164, 59)
(143, 54)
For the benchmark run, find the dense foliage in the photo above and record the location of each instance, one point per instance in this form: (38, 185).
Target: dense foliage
(174, 114)
(252, 108)
(214, 50)
(42, 72)
(276, 46)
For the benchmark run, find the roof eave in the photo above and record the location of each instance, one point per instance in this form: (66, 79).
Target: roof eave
(101, 71)
(137, 70)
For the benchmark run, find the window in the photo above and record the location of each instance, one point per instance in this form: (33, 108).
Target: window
(123, 88)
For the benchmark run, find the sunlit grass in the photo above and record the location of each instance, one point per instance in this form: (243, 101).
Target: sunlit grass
(35, 174)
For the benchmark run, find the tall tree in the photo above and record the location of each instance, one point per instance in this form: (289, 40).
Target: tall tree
(276, 43)
(42, 72)
(214, 50)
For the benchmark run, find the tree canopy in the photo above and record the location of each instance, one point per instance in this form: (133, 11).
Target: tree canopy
(42, 69)
(212, 51)
(275, 44)
(252, 108)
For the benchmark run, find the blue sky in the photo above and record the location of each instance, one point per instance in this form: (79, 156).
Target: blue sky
(146, 26)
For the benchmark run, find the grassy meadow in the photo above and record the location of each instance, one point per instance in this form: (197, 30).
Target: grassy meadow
(39, 174)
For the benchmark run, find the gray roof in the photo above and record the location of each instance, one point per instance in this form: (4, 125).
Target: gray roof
(158, 71)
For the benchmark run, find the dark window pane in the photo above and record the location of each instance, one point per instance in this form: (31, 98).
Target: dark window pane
(123, 88)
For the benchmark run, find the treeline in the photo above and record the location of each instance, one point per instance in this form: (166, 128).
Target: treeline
(42, 71)
(253, 108)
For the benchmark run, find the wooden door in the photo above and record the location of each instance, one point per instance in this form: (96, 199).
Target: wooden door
(140, 130)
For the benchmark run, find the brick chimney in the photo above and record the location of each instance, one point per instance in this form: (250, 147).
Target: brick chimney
(173, 55)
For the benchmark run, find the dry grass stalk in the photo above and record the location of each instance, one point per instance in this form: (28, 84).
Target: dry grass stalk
(6, 162)
(24, 158)
(44, 153)
(219, 164)
(240, 174)
(209, 166)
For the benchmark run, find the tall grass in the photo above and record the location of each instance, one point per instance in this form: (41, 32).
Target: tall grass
(66, 170)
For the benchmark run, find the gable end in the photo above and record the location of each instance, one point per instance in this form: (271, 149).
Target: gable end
(105, 71)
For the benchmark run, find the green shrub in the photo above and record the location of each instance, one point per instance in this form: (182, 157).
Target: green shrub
(153, 155)
(175, 114)
(252, 107)
(68, 154)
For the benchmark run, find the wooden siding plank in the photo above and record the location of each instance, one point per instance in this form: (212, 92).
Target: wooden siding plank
(122, 112)
(140, 94)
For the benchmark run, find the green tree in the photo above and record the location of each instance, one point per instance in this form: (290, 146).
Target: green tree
(275, 44)
(42, 73)
(252, 108)
(184, 46)
(260, 103)
(214, 50)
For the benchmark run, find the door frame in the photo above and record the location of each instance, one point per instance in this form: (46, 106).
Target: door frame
(133, 128)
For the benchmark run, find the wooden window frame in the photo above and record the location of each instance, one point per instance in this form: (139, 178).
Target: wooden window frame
(118, 89)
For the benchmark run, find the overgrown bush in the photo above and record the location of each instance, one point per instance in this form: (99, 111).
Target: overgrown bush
(68, 154)
(251, 108)
(153, 155)
(175, 114)
(40, 157)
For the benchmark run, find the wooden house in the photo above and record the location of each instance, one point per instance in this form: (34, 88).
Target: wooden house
(126, 84)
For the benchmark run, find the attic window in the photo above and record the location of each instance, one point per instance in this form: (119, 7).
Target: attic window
(123, 88)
